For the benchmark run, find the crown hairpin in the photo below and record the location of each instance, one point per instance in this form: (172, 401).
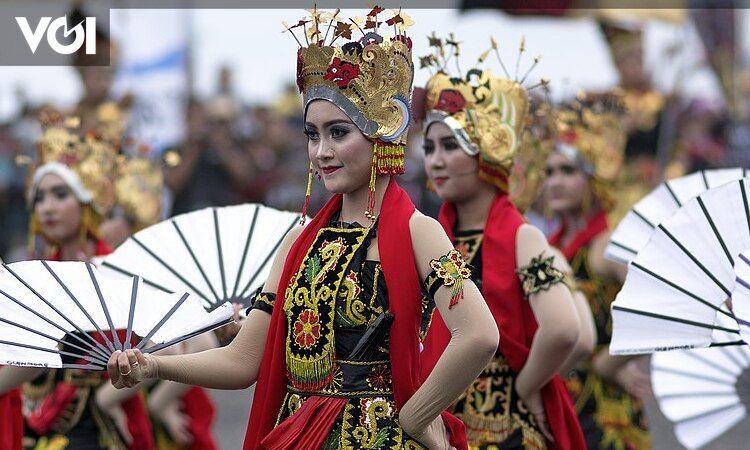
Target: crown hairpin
(368, 26)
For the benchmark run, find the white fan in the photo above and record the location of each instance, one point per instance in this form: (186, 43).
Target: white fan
(678, 282)
(218, 254)
(66, 314)
(633, 232)
(704, 391)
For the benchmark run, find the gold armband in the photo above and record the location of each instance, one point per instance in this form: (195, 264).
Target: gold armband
(539, 275)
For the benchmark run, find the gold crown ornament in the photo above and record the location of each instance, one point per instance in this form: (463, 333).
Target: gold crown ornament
(85, 163)
(527, 173)
(589, 133)
(368, 77)
(139, 189)
(486, 113)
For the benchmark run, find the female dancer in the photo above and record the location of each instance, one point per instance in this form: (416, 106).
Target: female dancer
(71, 189)
(183, 415)
(578, 189)
(333, 342)
(471, 136)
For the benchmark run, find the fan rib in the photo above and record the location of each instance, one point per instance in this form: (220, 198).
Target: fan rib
(267, 259)
(195, 260)
(59, 341)
(707, 362)
(131, 313)
(170, 269)
(731, 356)
(157, 347)
(672, 194)
(704, 177)
(681, 289)
(745, 203)
(115, 337)
(51, 306)
(250, 234)
(673, 319)
(727, 344)
(707, 413)
(95, 347)
(623, 247)
(697, 376)
(131, 275)
(47, 350)
(695, 260)
(163, 320)
(77, 303)
(715, 231)
(697, 394)
(83, 366)
(220, 254)
(643, 218)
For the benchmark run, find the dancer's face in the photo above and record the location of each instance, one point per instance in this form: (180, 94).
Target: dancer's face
(453, 173)
(58, 210)
(339, 152)
(565, 185)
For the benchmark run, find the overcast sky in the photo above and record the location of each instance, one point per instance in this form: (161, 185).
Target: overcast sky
(250, 41)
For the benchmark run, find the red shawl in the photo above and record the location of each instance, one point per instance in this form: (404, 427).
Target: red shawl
(139, 424)
(402, 280)
(512, 312)
(11, 420)
(596, 225)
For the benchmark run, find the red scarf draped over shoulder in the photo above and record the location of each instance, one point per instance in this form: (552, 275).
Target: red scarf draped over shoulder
(512, 313)
(11, 420)
(139, 424)
(596, 225)
(404, 297)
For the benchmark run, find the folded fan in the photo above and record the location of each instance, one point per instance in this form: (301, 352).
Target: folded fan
(704, 392)
(66, 314)
(633, 232)
(217, 254)
(675, 288)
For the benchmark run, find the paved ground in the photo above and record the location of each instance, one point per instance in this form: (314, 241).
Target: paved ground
(233, 411)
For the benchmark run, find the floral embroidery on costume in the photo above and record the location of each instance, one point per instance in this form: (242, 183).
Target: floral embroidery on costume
(330, 305)
(495, 416)
(452, 271)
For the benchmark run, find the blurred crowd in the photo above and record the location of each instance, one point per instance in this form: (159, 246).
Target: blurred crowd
(235, 152)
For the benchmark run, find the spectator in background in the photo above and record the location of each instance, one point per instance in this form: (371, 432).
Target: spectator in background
(211, 169)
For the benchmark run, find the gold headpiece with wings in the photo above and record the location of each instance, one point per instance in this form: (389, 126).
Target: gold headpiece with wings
(486, 113)
(368, 78)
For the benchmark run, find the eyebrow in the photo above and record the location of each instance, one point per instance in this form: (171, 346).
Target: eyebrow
(330, 123)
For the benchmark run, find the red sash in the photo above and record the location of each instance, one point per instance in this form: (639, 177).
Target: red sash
(512, 312)
(402, 280)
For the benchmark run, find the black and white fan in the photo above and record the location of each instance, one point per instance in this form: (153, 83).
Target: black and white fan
(706, 391)
(677, 285)
(633, 232)
(68, 315)
(217, 254)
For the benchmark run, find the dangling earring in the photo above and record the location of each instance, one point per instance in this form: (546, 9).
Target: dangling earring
(308, 191)
(370, 212)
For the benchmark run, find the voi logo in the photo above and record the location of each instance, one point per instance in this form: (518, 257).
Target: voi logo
(50, 27)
